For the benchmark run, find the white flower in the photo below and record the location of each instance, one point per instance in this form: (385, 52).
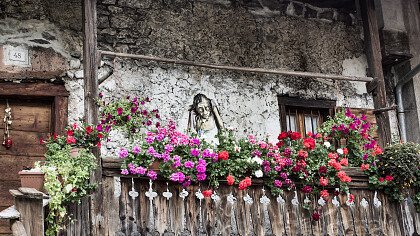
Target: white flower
(340, 151)
(237, 149)
(257, 160)
(68, 188)
(258, 173)
(327, 144)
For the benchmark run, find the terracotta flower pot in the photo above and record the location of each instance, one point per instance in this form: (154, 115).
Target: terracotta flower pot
(32, 179)
(74, 152)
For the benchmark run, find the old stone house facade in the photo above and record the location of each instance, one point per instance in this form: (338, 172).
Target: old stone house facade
(41, 44)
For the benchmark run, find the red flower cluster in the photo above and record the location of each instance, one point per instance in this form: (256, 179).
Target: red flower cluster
(323, 181)
(309, 143)
(223, 155)
(245, 183)
(290, 134)
(343, 177)
(324, 194)
(364, 167)
(387, 178)
(207, 193)
(230, 180)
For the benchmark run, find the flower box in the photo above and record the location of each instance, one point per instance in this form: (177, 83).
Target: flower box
(32, 179)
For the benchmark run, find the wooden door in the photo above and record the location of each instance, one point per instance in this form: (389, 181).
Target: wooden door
(31, 120)
(38, 109)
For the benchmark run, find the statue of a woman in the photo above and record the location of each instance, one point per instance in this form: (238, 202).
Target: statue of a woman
(204, 118)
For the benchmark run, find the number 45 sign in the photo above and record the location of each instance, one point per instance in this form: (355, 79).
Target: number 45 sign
(16, 55)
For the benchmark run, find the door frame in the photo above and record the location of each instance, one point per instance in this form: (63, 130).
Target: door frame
(57, 92)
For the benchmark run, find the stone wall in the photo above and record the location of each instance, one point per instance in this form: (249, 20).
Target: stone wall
(266, 34)
(288, 35)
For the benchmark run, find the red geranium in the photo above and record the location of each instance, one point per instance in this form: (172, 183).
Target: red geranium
(323, 181)
(70, 140)
(282, 135)
(207, 193)
(245, 183)
(230, 179)
(280, 144)
(89, 129)
(303, 154)
(322, 169)
(389, 178)
(324, 194)
(295, 135)
(344, 162)
(364, 167)
(381, 179)
(309, 143)
(223, 155)
(70, 132)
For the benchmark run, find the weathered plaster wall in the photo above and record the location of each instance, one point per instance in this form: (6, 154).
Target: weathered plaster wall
(286, 35)
(267, 34)
(51, 32)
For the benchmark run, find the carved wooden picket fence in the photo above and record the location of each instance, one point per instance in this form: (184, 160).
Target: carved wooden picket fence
(134, 206)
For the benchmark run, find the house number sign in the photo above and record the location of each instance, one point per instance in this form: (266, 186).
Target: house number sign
(7, 141)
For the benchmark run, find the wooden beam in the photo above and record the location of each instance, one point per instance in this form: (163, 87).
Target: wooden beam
(373, 53)
(33, 89)
(90, 209)
(60, 114)
(241, 69)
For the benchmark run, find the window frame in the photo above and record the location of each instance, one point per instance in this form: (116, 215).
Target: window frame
(300, 103)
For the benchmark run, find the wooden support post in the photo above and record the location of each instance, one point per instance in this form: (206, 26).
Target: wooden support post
(90, 67)
(373, 53)
(28, 203)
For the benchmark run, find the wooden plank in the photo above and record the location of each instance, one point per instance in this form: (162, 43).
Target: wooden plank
(347, 214)
(28, 115)
(143, 213)
(18, 229)
(243, 69)
(192, 210)
(224, 212)
(5, 229)
(256, 212)
(6, 199)
(25, 144)
(162, 210)
(276, 214)
(208, 216)
(176, 204)
(32, 215)
(60, 114)
(11, 165)
(240, 213)
(32, 193)
(111, 222)
(298, 102)
(33, 89)
(90, 108)
(373, 53)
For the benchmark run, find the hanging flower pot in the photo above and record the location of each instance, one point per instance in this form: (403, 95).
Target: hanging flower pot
(32, 179)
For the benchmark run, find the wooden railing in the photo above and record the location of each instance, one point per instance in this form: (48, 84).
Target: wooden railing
(127, 214)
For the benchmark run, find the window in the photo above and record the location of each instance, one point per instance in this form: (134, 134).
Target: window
(302, 115)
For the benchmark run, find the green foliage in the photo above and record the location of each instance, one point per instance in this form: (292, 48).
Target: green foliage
(128, 114)
(398, 171)
(240, 162)
(66, 181)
